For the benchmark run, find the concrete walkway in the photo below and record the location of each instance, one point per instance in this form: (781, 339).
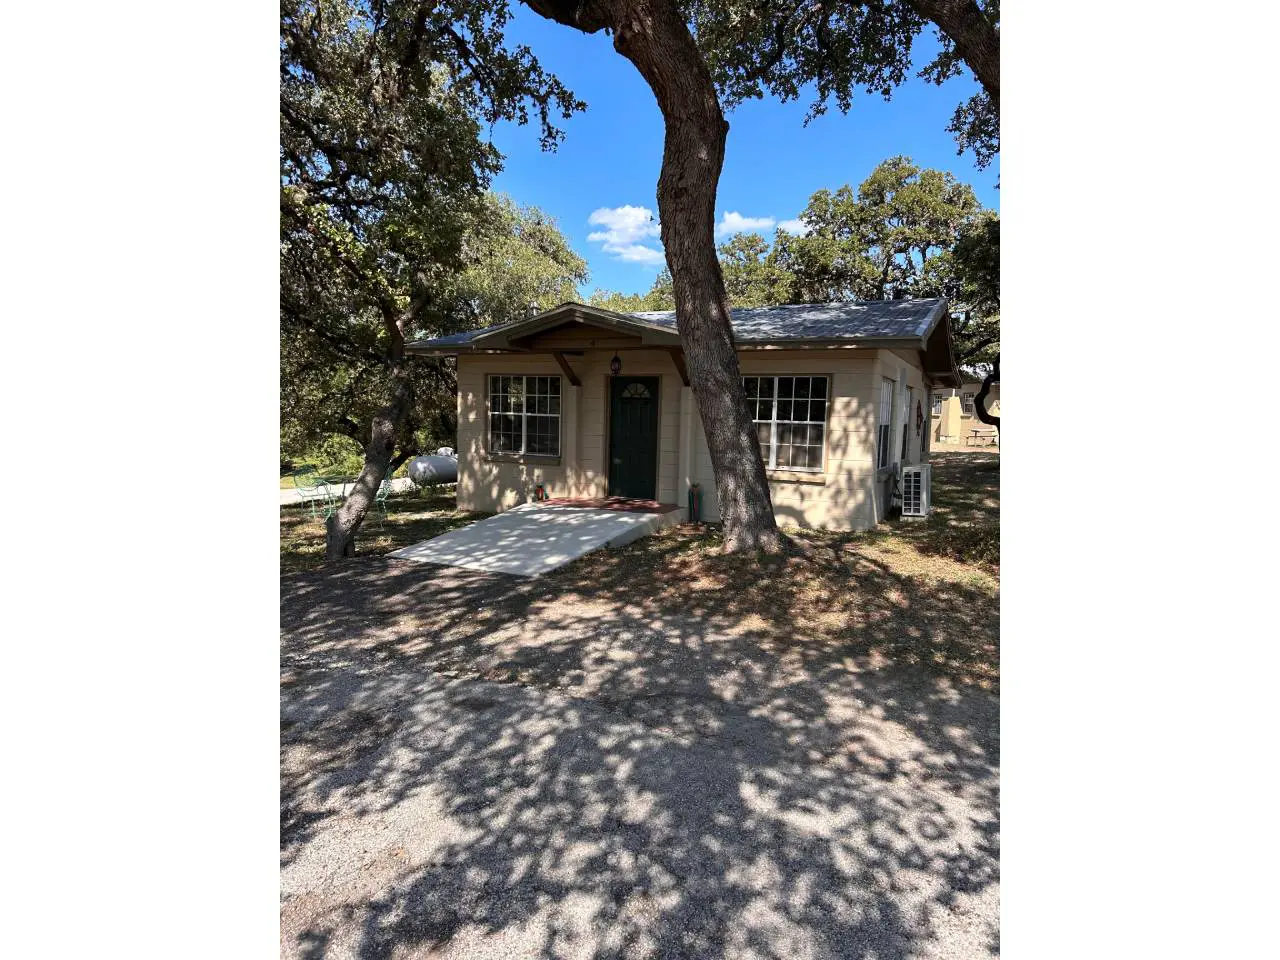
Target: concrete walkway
(290, 495)
(535, 538)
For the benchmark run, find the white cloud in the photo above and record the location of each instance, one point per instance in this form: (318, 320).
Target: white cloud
(637, 253)
(624, 230)
(627, 232)
(796, 226)
(734, 222)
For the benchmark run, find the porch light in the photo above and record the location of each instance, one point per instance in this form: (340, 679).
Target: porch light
(615, 365)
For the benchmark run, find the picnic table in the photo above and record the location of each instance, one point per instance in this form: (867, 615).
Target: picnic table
(977, 433)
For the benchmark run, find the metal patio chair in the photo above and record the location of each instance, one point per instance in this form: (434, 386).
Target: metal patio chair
(380, 498)
(309, 483)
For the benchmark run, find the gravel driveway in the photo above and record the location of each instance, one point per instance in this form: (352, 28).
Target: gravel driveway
(623, 785)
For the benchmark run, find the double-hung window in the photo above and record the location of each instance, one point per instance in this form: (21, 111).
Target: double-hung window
(790, 414)
(937, 405)
(966, 404)
(524, 415)
(886, 418)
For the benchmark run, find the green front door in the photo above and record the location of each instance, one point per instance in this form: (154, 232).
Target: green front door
(633, 437)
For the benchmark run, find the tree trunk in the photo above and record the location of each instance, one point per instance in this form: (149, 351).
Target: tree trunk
(976, 39)
(343, 525)
(387, 428)
(653, 35)
(980, 401)
(398, 460)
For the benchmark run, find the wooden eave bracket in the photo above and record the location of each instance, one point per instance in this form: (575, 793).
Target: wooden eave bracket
(677, 357)
(568, 370)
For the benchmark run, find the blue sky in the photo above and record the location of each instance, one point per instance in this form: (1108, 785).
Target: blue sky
(612, 152)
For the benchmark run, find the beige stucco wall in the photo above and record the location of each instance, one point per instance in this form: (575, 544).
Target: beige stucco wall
(491, 484)
(848, 494)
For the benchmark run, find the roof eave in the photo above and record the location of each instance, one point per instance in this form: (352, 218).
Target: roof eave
(421, 349)
(940, 310)
(951, 376)
(571, 310)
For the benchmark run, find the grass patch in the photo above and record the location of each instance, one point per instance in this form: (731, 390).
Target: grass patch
(410, 517)
(964, 524)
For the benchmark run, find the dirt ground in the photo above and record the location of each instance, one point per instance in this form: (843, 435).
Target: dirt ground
(656, 751)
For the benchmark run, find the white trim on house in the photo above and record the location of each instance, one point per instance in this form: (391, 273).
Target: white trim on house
(523, 453)
(771, 461)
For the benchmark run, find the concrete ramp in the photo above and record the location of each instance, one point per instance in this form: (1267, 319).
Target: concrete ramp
(535, 538)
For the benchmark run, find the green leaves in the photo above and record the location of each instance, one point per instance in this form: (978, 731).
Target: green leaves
(387, 226)
(661, 296)
(889, 238)
(786, 48)
(784, 45)
(752, 276)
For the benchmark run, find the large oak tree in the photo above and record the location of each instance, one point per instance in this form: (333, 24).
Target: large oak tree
(655, 37)
(383, 176)
(332, 342)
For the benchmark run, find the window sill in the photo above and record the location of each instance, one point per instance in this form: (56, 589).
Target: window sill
(529, 458)
(795, 476)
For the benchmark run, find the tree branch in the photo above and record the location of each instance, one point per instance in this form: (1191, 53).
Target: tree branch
(980, 401)
(977, 40)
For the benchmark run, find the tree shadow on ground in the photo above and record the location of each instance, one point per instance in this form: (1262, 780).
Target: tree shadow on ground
(660, 769)
(579, 831)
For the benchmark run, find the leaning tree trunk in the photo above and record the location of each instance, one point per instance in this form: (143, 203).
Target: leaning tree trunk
(388, 427)
(653, 35)
(343, 525)
(980, 401)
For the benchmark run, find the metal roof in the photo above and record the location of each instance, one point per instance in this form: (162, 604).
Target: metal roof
(853, 320)
(457, 339)
(880, 319)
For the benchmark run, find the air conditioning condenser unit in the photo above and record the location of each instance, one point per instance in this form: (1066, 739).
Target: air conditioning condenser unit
(915, 490)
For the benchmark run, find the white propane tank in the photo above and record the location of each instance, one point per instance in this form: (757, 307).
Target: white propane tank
(432, 469)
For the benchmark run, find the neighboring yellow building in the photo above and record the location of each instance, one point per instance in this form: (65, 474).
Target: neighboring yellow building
(839, 394)
(953, 418)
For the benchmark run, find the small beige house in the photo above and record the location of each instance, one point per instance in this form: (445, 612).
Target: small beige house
(588, 403)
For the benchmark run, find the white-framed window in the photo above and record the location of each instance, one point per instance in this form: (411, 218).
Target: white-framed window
(790, 414)
(524, 415)
(886, 418)
(966, 404)
(936, 409)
